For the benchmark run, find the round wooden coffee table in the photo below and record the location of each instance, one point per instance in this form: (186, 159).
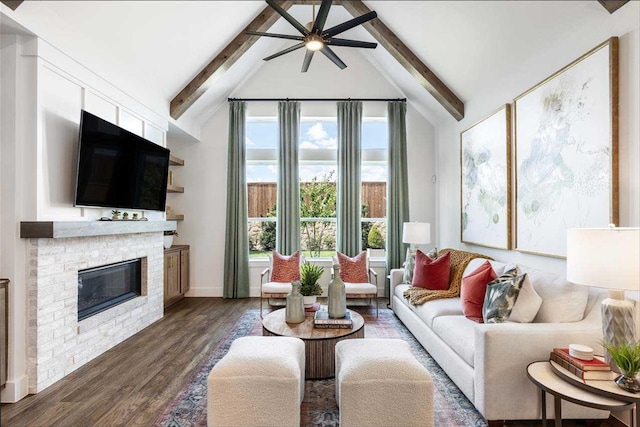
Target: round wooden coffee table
(319, 344)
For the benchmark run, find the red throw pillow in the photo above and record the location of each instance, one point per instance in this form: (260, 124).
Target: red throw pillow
(473, 290)
(353, 270)
(432, 274)
(285, 269)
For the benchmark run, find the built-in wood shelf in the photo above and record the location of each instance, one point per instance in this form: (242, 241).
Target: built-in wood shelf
(175, 189)
(67, 229)
(175, 161)
(175, 217)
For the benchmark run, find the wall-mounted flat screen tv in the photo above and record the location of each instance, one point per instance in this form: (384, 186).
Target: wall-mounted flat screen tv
(119, 169)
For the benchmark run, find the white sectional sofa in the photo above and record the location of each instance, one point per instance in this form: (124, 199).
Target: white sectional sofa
(488, 361)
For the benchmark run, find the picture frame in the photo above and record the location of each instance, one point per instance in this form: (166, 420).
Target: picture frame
(485, 181)
(566, 152)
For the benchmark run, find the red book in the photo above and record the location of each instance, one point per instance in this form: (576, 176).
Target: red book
(584, 375)
(594, 364)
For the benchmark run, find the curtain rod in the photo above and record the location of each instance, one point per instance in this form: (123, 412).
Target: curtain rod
(319, 99)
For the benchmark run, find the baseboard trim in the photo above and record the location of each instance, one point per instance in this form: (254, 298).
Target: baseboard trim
(204, 292)
(15, 390)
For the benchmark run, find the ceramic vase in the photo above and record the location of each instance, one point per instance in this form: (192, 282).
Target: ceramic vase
(294, 310)
(337, 295)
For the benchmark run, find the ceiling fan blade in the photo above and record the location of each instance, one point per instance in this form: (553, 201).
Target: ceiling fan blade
(321, 17)
(350, 43)
(298, 26)
(341, 28)
(307, 60)
(275, 35)
(287, 50)
(333, 57)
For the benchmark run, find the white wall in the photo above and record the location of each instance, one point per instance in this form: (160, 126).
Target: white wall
(204, 173)
(43, 92)
(505, 86)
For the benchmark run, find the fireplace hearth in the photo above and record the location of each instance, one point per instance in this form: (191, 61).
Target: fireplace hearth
(103, 287)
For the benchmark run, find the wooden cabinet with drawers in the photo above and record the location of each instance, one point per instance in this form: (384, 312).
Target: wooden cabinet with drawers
(176, 273)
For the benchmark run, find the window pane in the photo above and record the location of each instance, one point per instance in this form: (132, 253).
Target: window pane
(374, 234)
(374, 133)
(318, 238)
(318, 134)
(262, 177)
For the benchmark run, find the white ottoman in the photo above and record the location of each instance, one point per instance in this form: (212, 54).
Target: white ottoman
(380, 383)
(259, 382)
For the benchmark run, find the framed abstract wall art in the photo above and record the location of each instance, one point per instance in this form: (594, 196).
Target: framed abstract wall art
(566, 135)
(485, 163)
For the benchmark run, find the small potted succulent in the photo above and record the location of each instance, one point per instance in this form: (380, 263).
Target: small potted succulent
(168, 238)
(309, 286)
(125, 216)
(115, 214)
(135, 216)
(627, 357)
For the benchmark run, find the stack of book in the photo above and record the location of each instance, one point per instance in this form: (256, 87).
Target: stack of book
(322, 320)
(595, 369)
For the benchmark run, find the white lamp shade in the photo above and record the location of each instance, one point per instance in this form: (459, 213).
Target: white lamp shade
(418, 233)
(604, 257)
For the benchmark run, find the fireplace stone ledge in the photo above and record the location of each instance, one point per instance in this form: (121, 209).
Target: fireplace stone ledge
(67, 229)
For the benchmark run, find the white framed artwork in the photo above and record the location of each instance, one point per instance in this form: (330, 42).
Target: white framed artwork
(485, 180)
(566, 137)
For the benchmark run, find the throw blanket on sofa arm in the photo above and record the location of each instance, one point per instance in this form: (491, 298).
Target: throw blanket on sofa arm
(459, 261)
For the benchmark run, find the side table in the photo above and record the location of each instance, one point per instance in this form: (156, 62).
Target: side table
(549, 378)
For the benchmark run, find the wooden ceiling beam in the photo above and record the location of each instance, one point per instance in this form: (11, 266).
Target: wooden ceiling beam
(387, 38)
(12, 4)
(408, 60)
(223, 61)
(612, 5)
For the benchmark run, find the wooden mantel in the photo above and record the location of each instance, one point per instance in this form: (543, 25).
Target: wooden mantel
(67, 229)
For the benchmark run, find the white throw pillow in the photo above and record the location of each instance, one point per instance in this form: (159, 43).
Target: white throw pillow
(562, 301)
(527, 304)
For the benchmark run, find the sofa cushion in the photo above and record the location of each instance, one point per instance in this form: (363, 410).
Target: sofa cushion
(432, 274)
(473, 289)
(498, 267)
(431, 309)
(527, 304)
(458, 333)
(562, 301)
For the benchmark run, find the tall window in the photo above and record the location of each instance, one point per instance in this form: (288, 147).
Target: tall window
(374, 182)
(262, 182)
(318, 166)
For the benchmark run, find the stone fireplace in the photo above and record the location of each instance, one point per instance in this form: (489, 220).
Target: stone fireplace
(60, 340)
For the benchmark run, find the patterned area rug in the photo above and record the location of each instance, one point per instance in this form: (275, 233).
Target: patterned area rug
(451, 407)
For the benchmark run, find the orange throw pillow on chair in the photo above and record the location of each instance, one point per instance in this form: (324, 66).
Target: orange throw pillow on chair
(353, 270)
(432, 274)
(285, 269)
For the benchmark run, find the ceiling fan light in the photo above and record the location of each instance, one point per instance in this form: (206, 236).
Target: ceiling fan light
(314, 42)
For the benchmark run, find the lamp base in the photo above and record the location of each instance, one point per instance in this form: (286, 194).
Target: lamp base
(617, 325)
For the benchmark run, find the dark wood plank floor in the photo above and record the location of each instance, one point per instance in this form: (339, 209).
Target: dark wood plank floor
(132, 383)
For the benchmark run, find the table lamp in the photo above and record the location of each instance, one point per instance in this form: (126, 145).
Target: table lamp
(608, 258)
(414, 233)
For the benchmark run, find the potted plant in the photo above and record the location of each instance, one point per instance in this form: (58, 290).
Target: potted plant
(125, 216)
(115, 214)
(168, 238)
(627, 357)
(309, 286)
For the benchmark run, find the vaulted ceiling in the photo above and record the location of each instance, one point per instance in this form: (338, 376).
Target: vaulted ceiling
(152, 50)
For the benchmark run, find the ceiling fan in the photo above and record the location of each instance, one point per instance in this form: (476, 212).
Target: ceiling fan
(317, 38)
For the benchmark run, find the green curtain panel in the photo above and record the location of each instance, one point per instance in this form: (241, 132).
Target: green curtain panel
(236, 249)
(288, 198)
(348, 212)
(398, 186)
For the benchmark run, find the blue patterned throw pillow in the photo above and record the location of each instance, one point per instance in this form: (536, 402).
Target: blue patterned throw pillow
(501, 296)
